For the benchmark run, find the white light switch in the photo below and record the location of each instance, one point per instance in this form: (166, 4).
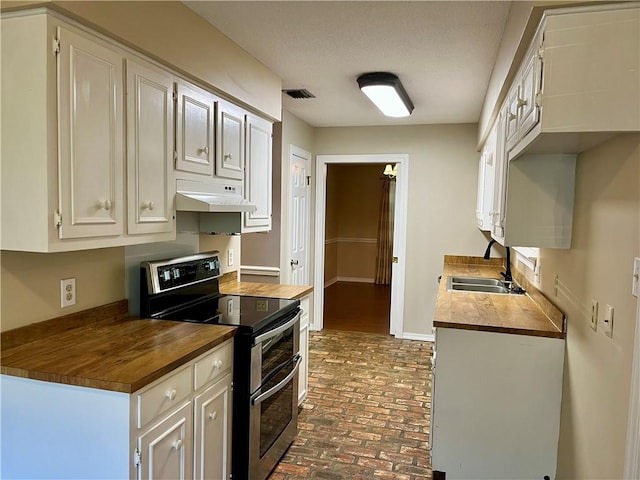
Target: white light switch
(607, 322)
(594, 314)
(636, 277)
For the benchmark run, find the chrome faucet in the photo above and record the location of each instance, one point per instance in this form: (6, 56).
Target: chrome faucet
(507, 274)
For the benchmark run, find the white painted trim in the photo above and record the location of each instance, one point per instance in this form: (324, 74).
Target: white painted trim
(356, 279)
(259, 270)
(399, 234)
(419, 336)
(350, 240)
(330, 282)
(632, 456)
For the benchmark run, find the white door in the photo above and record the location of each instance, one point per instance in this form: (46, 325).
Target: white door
(90, 130)
(149, 149)
(299, 166)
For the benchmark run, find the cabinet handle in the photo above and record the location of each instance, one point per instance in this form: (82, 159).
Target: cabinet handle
(522, 102)
(147, 205)
(213, 415)
(106, 204)
(217, 364)
(177, 444)
(171, 394)
(205, 150)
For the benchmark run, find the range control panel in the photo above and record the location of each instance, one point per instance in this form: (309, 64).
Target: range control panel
(166, 275)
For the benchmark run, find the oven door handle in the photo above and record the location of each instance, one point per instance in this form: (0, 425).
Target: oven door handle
(277, 330)
(283, 383)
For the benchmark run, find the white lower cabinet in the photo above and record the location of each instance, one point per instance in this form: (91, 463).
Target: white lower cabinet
(303, 375)
(178, 427)
(495, 405)
(166, 449)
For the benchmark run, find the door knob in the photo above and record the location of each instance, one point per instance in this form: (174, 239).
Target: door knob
(294, 262)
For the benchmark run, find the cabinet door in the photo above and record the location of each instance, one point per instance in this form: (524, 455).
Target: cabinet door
(500, 186)
(511, 118)
(230, 155)
(149, 149)
(257, 180)
(90, 132)
(166, 449)
(529, 113)
(195, 126)
(212, 446)
(303, 373)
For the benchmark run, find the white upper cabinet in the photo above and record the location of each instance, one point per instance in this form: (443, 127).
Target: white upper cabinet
(195, 129)
(91, 136)
(257, 182)
(64, 142)
(486, 181)
(150, 185)
(575, 89)
(230, 155)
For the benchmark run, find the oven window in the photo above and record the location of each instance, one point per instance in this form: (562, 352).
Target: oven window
(276, 413)
(277, 350)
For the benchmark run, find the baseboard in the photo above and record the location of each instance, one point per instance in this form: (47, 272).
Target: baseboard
(418, 336)
(330, 282)
(350, 240)
(259, 270)
(356, 279)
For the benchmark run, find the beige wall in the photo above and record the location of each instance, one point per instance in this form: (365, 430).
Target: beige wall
(176, 36)
(606, 238)
(300, 134)
(30, 288)
(442, 200)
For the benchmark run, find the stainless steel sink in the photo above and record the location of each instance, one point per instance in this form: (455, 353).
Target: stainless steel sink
(477, 284)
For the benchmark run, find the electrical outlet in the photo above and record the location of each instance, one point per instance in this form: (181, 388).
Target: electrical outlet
(636, 277)
(67, 292)
(230, 257)
(607, 322)
(594, 314)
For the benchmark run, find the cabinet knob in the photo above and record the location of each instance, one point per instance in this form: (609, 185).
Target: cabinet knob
(213, 415)
(171, 394)
(105, 205)
(522, 102)
(148, 205)
(228, 156)
(217, 364)
(205, 150)
(511, 116)
(177, 444)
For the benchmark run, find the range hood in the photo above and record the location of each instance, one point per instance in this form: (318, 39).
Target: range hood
(199, 197)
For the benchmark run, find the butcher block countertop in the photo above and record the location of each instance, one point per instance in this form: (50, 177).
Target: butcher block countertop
(104, 348)
(529, 314)
(229, 285)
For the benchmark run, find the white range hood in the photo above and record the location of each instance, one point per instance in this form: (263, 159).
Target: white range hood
(200, 197)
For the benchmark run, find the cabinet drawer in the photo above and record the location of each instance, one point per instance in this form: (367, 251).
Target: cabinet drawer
(213, 365)
(164, 395)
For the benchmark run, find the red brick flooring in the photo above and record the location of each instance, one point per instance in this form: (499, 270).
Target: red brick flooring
(367, 411)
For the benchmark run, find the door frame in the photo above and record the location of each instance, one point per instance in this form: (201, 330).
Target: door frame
(396, 326)
(632, 457)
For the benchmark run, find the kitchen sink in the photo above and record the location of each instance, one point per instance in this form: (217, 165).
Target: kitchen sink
(481, 285)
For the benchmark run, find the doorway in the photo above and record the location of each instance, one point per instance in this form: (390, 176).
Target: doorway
(399, 235)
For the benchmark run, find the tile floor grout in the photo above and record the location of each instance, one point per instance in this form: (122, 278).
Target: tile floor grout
(367, 411)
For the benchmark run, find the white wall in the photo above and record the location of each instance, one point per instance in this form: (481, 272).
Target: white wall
(442, 200)
(606, 238)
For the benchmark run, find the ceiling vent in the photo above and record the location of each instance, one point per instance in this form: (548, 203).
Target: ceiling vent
(299, 93)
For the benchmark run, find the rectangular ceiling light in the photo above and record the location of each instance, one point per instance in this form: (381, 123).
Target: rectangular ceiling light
(387, 93)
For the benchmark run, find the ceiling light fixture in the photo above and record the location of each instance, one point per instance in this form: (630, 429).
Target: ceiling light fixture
(387, 93)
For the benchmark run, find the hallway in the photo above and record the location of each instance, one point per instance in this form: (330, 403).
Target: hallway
(357, 307)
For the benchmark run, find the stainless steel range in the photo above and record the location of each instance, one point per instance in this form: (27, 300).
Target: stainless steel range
(267, 357)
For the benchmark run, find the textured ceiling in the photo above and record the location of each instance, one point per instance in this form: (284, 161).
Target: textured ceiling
(443, 53)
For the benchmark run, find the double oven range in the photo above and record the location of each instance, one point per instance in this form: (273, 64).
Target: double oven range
(266, 352)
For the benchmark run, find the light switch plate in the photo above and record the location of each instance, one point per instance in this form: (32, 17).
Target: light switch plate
(594, 315)
(607, 322)
(636, 277)
(230, 257)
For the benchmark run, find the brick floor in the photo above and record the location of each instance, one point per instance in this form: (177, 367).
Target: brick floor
(367, 411)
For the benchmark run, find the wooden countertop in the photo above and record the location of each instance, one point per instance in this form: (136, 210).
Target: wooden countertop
(230, 286)
(105, 348)
(529, 314)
